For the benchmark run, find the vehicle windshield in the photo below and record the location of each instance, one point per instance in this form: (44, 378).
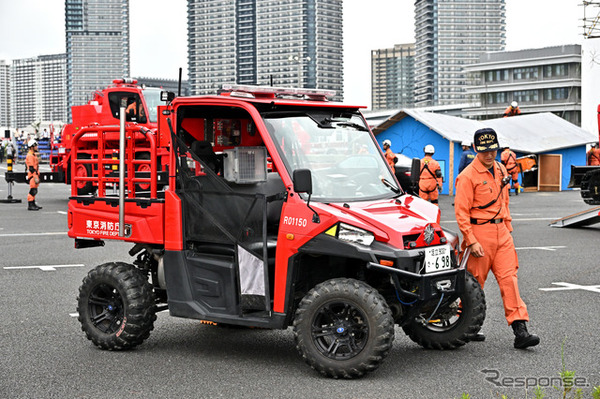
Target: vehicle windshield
(338, 148)
(152, 97)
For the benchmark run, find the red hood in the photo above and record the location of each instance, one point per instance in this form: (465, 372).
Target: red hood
(390, 220)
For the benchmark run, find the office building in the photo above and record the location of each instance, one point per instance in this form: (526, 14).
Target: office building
(449, 35)
(4, 95)
(393, 77)
(38, 90)
(540, 80)
(262, 42)
(97, 36)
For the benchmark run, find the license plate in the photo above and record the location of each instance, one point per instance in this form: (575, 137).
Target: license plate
(438, 258)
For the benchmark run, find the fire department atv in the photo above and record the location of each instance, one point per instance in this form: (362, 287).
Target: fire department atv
(261, 225)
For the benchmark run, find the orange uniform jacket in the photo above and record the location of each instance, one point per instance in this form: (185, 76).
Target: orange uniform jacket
(594, 157)
(510, 111)
(509, 159)
(480, 188)
(32, 162)
(389, 157)
(427, 180)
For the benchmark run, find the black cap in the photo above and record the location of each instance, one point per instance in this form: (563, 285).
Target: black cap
(486, 140)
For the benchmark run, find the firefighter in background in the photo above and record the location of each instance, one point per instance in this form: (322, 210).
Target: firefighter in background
(593, 155)
(467, 156)
(483, 217)
(430, 178)
(390, 157)
(32, 163)
(512, 110)
(509, 160)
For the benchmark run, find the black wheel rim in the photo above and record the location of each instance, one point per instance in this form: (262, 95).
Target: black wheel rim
(340, 330)
(446, 319)
(105, 306)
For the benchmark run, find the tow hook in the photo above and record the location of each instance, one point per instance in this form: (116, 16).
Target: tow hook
(443, 285)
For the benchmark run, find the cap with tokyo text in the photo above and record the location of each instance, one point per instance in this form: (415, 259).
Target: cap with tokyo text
(486, 140)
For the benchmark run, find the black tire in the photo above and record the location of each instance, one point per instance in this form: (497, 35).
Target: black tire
(116, 306)
(454, 323)
(343, 328)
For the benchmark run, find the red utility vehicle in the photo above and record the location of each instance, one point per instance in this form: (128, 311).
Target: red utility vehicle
(258, 226)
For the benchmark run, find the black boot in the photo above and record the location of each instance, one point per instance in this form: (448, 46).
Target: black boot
(32, 206)
(36, 205)
(522, 337)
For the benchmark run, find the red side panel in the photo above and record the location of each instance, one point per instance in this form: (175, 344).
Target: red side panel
(173, 227)
(100, 220)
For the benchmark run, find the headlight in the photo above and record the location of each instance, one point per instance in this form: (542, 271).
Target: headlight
(355, 235)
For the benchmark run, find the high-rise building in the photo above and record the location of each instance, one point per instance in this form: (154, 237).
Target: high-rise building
(97, 34)
(264, 42)
(4, 96)
(451, 34)
(38, 90)
(393, 77)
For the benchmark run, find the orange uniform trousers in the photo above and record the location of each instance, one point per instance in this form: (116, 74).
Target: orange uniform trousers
(500, 257)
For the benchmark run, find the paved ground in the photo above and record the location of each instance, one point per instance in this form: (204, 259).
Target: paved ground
(44, 354)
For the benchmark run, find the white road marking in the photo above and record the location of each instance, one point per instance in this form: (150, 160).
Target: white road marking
(546, 248)
(52, 233)
(569, 286)
(514, 220)
(45, 268)
(61, 212)
(74, 314)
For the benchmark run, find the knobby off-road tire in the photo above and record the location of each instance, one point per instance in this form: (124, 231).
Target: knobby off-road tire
(453, 324)
(343, 328)
(116, 306)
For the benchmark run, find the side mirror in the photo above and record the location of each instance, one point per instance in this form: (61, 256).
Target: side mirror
(302, 181)
(303, 184)
(415, 172)
(167, 96)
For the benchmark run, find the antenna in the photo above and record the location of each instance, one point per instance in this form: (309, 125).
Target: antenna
(179, 84)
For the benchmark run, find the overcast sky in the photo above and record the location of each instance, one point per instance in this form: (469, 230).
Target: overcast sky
(29, 28)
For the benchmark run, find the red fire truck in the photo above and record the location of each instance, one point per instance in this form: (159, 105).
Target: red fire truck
(141, 107)
(254, 227)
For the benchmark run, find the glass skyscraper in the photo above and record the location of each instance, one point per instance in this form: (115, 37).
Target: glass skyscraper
(38, 90)
(285, 43)
(393, 77)
(4, 96)
(97, 34)
(451, 34)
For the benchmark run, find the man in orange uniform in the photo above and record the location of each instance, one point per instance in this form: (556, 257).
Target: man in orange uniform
(509, 160)
(390, 157)
(512, 110)
(33, 175)
(593, 155)
(483, 217)
(430, 178)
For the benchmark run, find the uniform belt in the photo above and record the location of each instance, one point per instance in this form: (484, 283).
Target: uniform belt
(483, 221)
